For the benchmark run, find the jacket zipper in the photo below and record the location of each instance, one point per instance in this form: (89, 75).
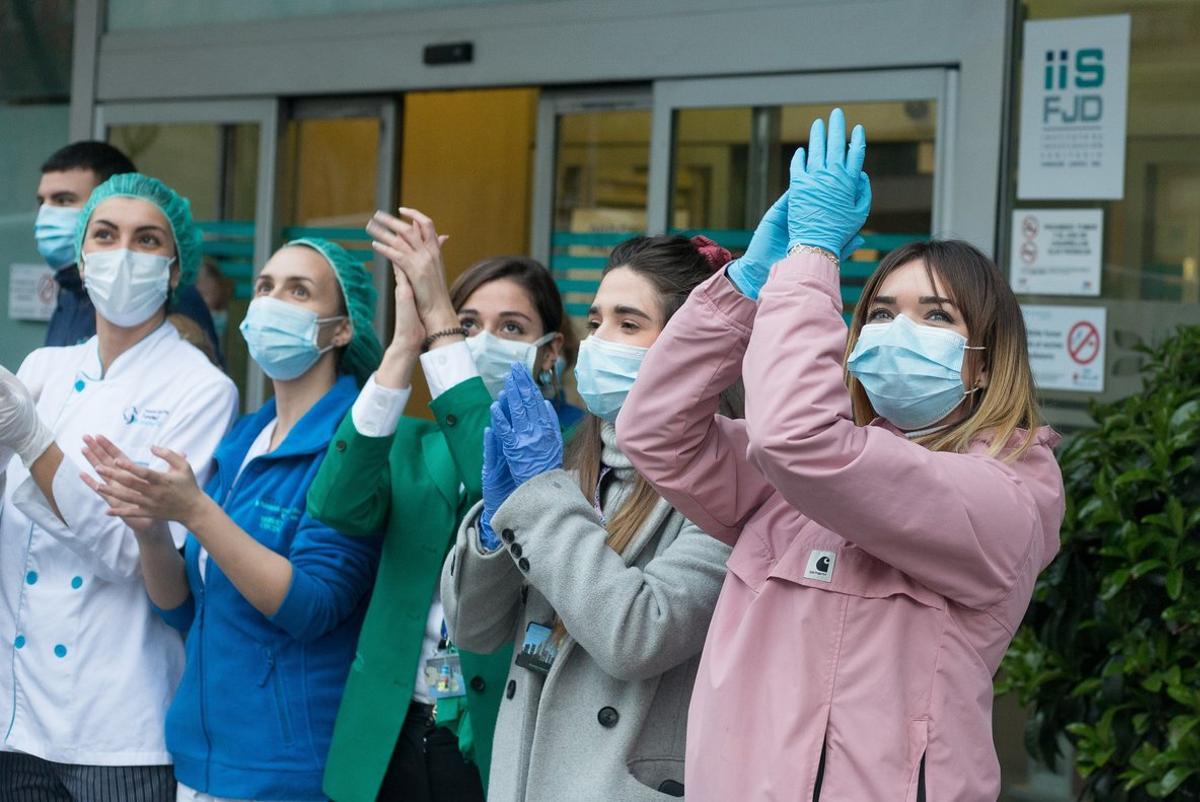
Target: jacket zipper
(203, 696)
(285, 719)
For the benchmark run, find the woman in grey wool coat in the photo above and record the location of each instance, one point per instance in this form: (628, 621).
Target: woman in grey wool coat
(607, 590)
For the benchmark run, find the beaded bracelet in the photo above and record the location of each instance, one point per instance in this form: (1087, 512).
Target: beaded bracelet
(437, 335)
(802, 248)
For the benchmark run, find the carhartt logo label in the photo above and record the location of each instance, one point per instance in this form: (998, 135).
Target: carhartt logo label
(820, 566)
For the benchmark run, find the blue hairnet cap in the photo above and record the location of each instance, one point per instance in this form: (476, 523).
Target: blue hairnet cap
(175, 208)
(364, 352)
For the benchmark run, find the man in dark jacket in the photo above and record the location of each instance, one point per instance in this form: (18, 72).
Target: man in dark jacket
(68, 178)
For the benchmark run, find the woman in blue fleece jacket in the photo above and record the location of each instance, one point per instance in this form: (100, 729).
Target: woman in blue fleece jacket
(271, 601)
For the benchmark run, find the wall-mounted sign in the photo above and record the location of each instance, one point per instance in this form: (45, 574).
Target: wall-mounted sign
(1074, 92)
(1066, 346)
(32, 292)
(1056, 251)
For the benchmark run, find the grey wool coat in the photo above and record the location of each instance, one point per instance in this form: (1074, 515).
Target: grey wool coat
(609, 720)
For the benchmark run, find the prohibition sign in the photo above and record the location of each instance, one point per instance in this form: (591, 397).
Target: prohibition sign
(1083, 342)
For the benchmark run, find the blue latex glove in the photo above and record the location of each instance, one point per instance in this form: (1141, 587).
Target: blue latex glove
(749, 272)
(529, 435)
(498, 483)
(829, 196)
(768, 245)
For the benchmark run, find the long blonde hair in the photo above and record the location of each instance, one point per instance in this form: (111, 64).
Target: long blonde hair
(1008, 404)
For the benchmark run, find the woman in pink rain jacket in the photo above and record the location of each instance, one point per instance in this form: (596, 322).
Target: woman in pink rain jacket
(890, 498)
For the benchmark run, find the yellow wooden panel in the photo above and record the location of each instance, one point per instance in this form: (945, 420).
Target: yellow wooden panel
(467, 162)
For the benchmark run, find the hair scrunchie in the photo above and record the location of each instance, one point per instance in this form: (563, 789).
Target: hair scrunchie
(716, 256)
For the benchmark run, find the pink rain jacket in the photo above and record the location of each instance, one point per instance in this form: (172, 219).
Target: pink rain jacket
(874, 584)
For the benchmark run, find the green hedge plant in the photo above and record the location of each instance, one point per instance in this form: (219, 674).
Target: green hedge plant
(1109, 654)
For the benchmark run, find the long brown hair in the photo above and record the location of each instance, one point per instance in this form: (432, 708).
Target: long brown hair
(674, 266)
(990, 311)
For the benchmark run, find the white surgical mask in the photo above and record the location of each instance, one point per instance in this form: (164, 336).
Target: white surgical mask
(494, 357)
(127, 287)
(605, 373)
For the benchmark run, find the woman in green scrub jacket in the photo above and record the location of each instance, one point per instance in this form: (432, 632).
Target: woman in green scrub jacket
(403, 730)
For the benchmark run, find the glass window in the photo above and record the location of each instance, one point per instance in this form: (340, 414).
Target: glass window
(1151, 248)
(220, 179)
(601, 166)
(35, 82)
(731, 163)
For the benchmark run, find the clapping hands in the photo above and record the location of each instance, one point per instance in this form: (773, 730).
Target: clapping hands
(523, 441)
(829, 196)
(826, 204)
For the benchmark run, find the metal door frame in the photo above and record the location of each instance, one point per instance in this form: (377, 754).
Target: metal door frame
(264, 113)
(865, 86)
(551, 105)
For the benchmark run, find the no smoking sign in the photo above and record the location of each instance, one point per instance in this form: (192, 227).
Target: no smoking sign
(1083, 343)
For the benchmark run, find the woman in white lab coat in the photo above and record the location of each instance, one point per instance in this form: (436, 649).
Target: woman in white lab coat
(87, 669)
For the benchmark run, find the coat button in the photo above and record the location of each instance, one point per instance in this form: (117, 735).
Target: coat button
(478, 684)
(523, 564)
(507, 535)
(451, 420)
(340, 445)
(608, 717)
(515, 549)
(511, 690)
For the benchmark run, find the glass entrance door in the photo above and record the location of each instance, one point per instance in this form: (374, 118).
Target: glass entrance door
(337, 160)
(591, 184)
(722, 149)
(710, 155)
(220, 155)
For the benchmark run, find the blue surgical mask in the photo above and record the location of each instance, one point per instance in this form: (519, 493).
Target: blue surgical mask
(604, 374)
(494, 357)
(912, 373)
(54, 231)
(282, 337)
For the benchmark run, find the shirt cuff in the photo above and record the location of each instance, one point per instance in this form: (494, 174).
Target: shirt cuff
(447, 366)
(377, 410)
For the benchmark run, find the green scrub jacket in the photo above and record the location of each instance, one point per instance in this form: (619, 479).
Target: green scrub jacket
(408, 487)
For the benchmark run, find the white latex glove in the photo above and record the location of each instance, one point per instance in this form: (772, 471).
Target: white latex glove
(21, 430)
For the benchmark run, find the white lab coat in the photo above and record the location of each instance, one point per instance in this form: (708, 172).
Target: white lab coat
(87, 668)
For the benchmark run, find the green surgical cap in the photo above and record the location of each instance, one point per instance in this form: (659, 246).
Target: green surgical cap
(362, 355)
(174, 207)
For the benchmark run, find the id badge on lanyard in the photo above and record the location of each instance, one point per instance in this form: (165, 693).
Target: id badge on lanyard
(443, 671)
(539, 649)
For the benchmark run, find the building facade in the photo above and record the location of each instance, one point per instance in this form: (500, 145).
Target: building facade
(559, 127)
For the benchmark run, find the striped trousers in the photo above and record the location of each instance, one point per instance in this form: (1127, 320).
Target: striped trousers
(25, 778)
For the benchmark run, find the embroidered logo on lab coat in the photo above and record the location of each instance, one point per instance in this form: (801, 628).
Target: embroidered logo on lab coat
(820, 566)
(135, 416)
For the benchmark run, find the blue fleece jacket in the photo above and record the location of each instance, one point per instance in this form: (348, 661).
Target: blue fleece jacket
(254, 712)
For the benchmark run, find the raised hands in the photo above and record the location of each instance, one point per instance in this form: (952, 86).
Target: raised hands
(768, 245)
(101, 452)
(498, 485)
(423, 305)
(136, 493)
(523, 441)
(415, 251)
(829, 195)
(527, 427)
